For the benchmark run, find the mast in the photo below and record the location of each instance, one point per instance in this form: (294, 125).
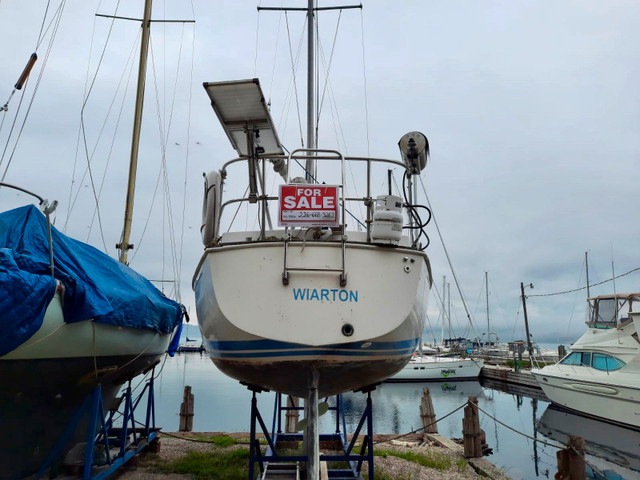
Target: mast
(124, 245)
(586, 262)
(444, 308)
(310, 163)
(486, 282)
(449, 306)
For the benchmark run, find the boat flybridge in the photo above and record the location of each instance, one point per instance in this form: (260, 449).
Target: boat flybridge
(600, 377)
(313, 303)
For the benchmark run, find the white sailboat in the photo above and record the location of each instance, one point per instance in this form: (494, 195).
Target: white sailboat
(313, 304)
(71, 318)
(425, 368)
(600, 377)
(309, 306)
(324, 302)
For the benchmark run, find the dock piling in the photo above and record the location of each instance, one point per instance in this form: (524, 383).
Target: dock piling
(471, 432)
(427, 413)
(571, 465)
(186, 410)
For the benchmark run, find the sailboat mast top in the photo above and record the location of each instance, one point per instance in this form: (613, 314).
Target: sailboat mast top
(310, 174)
(135, 142)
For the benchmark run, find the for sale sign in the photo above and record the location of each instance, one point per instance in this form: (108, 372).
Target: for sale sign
(308, 205)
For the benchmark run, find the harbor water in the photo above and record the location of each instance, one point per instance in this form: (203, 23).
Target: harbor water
(521, 428)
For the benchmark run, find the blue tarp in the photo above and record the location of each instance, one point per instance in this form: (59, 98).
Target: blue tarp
(95, 285)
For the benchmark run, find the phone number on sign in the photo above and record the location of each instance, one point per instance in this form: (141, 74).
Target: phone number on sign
(297, 215)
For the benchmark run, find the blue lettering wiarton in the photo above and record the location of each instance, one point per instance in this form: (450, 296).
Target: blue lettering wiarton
(325, 295)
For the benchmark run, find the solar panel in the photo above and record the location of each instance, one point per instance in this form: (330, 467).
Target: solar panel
(240, 106)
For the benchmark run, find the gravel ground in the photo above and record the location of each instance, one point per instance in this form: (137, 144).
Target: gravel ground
(175, 445)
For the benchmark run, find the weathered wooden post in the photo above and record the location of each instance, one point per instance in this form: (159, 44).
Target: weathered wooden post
(292, 416)
(427, 413)
(571, 465)
(562, 351)
(186, 410)
(471, 433)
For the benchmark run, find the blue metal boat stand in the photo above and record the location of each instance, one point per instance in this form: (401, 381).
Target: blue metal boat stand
(274, 465)
(118, 444)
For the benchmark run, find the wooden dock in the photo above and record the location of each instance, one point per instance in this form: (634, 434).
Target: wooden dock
(505, 379)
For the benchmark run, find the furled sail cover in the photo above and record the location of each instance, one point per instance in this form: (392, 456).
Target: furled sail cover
(96, 286)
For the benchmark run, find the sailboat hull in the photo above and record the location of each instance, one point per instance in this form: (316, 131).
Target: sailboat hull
(46, 380)
(279, 337)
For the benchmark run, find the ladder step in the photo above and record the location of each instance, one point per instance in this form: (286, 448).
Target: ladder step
(282, 471)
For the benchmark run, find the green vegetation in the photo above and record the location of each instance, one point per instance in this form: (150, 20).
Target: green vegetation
(380, 475)
(218, 465)
(437, 461)
(526, 364)
(217, 440)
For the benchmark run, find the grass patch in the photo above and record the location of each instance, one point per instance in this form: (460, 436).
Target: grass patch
(231, 465)
(437, 461)
(217, 440)
(380, 475)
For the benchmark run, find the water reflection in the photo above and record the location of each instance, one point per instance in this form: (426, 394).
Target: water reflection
(222, 404)
(610, 451)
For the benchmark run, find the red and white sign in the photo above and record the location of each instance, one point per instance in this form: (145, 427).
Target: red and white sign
(309, 205)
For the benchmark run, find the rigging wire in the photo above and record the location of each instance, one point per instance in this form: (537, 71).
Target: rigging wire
(82, 136)
(275, 55)
(255, 57)
(364, 75)
(186, 159)
(55, 22)
(295, 85)
(446, 252)
(86, 94)
(109, 156)
(164, 131)
(584, 288)
(327, 72)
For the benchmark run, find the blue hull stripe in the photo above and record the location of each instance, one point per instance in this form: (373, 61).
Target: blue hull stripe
(274, 348)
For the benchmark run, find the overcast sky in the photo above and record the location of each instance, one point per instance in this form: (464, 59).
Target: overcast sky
(532, 110)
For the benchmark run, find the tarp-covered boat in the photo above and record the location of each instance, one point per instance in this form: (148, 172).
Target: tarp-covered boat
(94, 320)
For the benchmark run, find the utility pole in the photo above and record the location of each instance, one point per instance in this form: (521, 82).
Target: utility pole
(526, 321)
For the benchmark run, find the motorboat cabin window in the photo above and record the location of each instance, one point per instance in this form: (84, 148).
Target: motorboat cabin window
(611, 311)
(603, 313)
(582, 359)
(606, 363)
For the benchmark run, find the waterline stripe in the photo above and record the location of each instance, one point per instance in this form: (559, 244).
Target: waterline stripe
(273, 348)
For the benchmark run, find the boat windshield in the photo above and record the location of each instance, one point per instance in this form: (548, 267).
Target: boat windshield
(609, 312)
(599, 361)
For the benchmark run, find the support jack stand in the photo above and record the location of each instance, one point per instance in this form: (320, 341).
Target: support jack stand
(274, 465)
(116, 445)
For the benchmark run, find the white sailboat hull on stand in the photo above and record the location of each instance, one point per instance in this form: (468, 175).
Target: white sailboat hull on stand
(271, 335)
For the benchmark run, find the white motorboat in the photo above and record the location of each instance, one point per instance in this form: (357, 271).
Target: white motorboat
(600, 377)
(424, 368)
